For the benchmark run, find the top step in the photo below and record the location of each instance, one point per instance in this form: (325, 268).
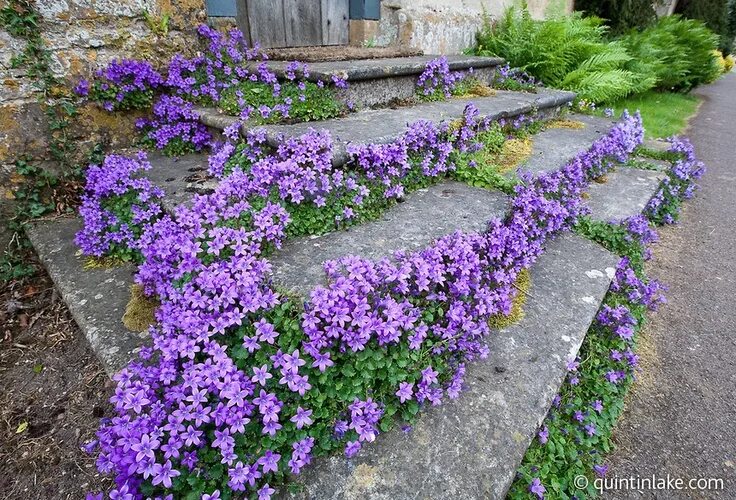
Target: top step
(380, 82)
(372, 69)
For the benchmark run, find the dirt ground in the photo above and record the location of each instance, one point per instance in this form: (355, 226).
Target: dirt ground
(53, 392)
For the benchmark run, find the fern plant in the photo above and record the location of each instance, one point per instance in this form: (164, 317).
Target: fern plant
(569, 52)
(678, 52)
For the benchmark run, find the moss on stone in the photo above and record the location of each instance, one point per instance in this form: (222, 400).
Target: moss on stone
(565, 123)
(477, 89)
(140, 311)
(522, 284)
(513, 153)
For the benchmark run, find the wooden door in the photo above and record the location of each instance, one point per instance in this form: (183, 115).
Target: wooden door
(294, 23)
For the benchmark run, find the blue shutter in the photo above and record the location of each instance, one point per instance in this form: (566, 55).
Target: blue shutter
(221, 8)
(365, 9)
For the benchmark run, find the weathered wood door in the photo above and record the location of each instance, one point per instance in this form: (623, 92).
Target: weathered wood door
(294, 23)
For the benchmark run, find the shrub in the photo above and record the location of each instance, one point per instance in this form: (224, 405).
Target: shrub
(569, 52)
(678, 52)
(619, 15)
(714, 13)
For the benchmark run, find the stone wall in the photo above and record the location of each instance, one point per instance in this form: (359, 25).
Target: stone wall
(82, 35)
(447, 26)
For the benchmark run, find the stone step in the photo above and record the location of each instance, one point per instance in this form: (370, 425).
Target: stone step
(425, 216)
(386, 125)
(180, 177)
(378, 82)
(96, 297)
(555, 146)
(623, 193)
(471, 447)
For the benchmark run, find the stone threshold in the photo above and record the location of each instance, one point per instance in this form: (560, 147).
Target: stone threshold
(372, 69)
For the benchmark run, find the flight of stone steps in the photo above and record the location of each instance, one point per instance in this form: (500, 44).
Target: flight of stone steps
(469, 448)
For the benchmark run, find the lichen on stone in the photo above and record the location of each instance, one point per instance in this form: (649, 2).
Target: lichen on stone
(140, 311)
(101, 263)
(522, 284)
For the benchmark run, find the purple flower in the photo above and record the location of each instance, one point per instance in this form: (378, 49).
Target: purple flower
(405, 392)
(352, 448)
(163, 474)
(600, 470)
(543, 435)
(301, 418)
(537, 488)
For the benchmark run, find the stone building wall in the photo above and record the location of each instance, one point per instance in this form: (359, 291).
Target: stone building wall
(446, 26)
(81, 35)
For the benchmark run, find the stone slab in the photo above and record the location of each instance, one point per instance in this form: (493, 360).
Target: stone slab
(625, 193)
(426, 215)
(96, 297)
(386, 125)
(180, 177)
(471, 447)
(554, 147)
(371, 69)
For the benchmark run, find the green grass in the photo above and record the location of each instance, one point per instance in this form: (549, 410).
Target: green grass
(664, 113)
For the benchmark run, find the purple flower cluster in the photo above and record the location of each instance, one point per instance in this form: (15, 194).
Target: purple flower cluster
(228, 376)
(647, 293)
(227, 61)
(437, 81)
(118, 205)
(679, 185)
(616, 146)
(426, 147)
(175, 127)
(508, 78)
(124, 84)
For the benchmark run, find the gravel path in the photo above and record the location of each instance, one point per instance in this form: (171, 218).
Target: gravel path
(680, 417)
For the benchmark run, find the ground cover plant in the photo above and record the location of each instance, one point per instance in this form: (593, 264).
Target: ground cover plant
(437, 82)
(227, 74)
(243, 386)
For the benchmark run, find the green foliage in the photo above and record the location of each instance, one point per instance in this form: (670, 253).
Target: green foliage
(21, 20)
(677, 52)
(320, 102)
(569, 52)
(157, 24)
(574, 53)
(619, 15)
(664, 113)
(714, 13)
(41, 191)
(614, 237)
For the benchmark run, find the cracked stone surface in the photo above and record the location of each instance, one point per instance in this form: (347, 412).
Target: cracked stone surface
(625, 193)
(471, 447)
(426, 215)
(180, 177)
(95, 297)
